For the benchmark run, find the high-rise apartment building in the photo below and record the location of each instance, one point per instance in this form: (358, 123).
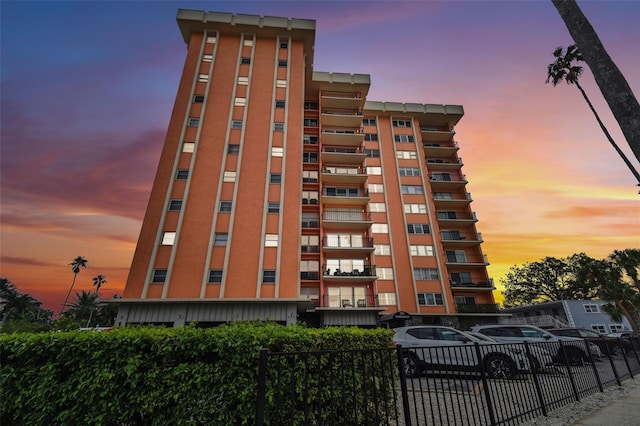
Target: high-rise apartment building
(284, 194)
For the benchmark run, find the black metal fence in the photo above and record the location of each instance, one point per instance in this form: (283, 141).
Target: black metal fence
(456, 385)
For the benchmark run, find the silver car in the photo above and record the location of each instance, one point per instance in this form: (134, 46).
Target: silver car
(443, 348)
(540, 358)
(576, 350)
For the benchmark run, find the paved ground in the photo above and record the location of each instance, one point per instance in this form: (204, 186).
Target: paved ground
(624, 411)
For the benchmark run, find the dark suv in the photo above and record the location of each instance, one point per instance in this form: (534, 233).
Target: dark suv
(607, 345)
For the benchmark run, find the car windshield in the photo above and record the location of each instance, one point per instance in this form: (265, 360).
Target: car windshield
(588, 333)
(532, 332)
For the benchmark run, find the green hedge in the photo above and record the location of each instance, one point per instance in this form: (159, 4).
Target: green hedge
(152, 376)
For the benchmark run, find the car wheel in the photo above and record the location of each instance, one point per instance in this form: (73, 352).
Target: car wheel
(499, 367)
(536, 367)
(411, 365)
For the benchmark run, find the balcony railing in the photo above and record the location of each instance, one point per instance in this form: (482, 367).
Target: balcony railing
(446, 178)
(349, 272)
(463, 258)
(347, 242)
(366, 301)
(342, 215)
(345, 192)
(455, 215)
(438, 162)
(477, 284)
(344, 170)
(481, 308)
(441, 145)
(460, 236)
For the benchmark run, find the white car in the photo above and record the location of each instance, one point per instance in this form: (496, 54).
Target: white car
(444, 348)
(576, 350)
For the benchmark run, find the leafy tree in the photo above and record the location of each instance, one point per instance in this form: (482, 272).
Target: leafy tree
(76, 264)
(629, 261)
(564, 69)
(547, 280)
(20, 311)
(610, 80)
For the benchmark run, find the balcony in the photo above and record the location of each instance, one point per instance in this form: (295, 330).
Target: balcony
(451, 200)
(344, 100)
(446, 181)
(345, 196)
(362, 273)
(342, 117)
(478, 285)
(459, 258)
(451, 217)
(346, 219)
(344, 174)
(343, 154)
(444, 164)
(455, 238)
(347, 244)
(440, 150)
(342, 136)
(357, 302)
(436, 134)
(480, 308)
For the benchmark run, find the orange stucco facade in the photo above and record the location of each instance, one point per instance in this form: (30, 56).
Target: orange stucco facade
(284, 194)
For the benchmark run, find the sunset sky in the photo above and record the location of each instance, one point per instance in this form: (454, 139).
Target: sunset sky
(87, 89)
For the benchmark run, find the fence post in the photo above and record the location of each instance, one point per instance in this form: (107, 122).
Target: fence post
(536, 380)
(485, 385)
(624, 355)
(595, 369)
(615, 370)
(565, 358)
(403, 387)
(262, 387)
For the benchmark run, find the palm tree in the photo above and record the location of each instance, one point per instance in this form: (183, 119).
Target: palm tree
(610, 80)
(83, 306)
(564, 69)
(98, 280)
(76, 264)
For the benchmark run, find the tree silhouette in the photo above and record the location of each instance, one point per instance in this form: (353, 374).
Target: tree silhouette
(98, 281)
(76, 264)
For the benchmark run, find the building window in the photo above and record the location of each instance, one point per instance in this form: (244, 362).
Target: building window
(278, 127)
(203, 78)
(412, 189)
(220, 239)
(404, 138)
(275, 178)
(281, 83)
(277, 151)
(406, 155)
(211, 39)
(371, 137)
(418, 228)
(198, 99)
(460, 278)
(159, 276)
(229, 176)
(380, 228)
(375, 188)
(188, 146)
(233, 149)
(168, 238)
(247, 42)
(309, 157)
(274, 207)
(215, 275)
(282, 62)
(373, 153)
(309, 243)
(384, 273)
(311, 105)
(442, 196)
(309, 197)
(193, 122)
(311, 122)
(284, 45)
(599, 328)
(271, 240)
(280, 104)
(269, 276)
(182, 174)
(387, 299)
(310, 220)
(207, 58)
(377, 207)
(368, 121)
(430, 299)
(310, 140)
(591, 309)
(240, 102)
(309, 270)
(245, 61)
(175, 205)
(425, 274)
(421, 250)
(616, 328)
(441, 176)
(415, 208)
(236, 124)
(309, 176)
(374, 170)
(243, 81)
(382, 249)
(401, 123)
(464, 300)
(409, 171)
(225, 206)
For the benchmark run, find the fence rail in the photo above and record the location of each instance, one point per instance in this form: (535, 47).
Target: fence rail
(370, 386)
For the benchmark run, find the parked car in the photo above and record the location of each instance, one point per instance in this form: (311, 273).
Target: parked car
(576, 349)
(445, 348)
(607, 345)
(540, 357)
